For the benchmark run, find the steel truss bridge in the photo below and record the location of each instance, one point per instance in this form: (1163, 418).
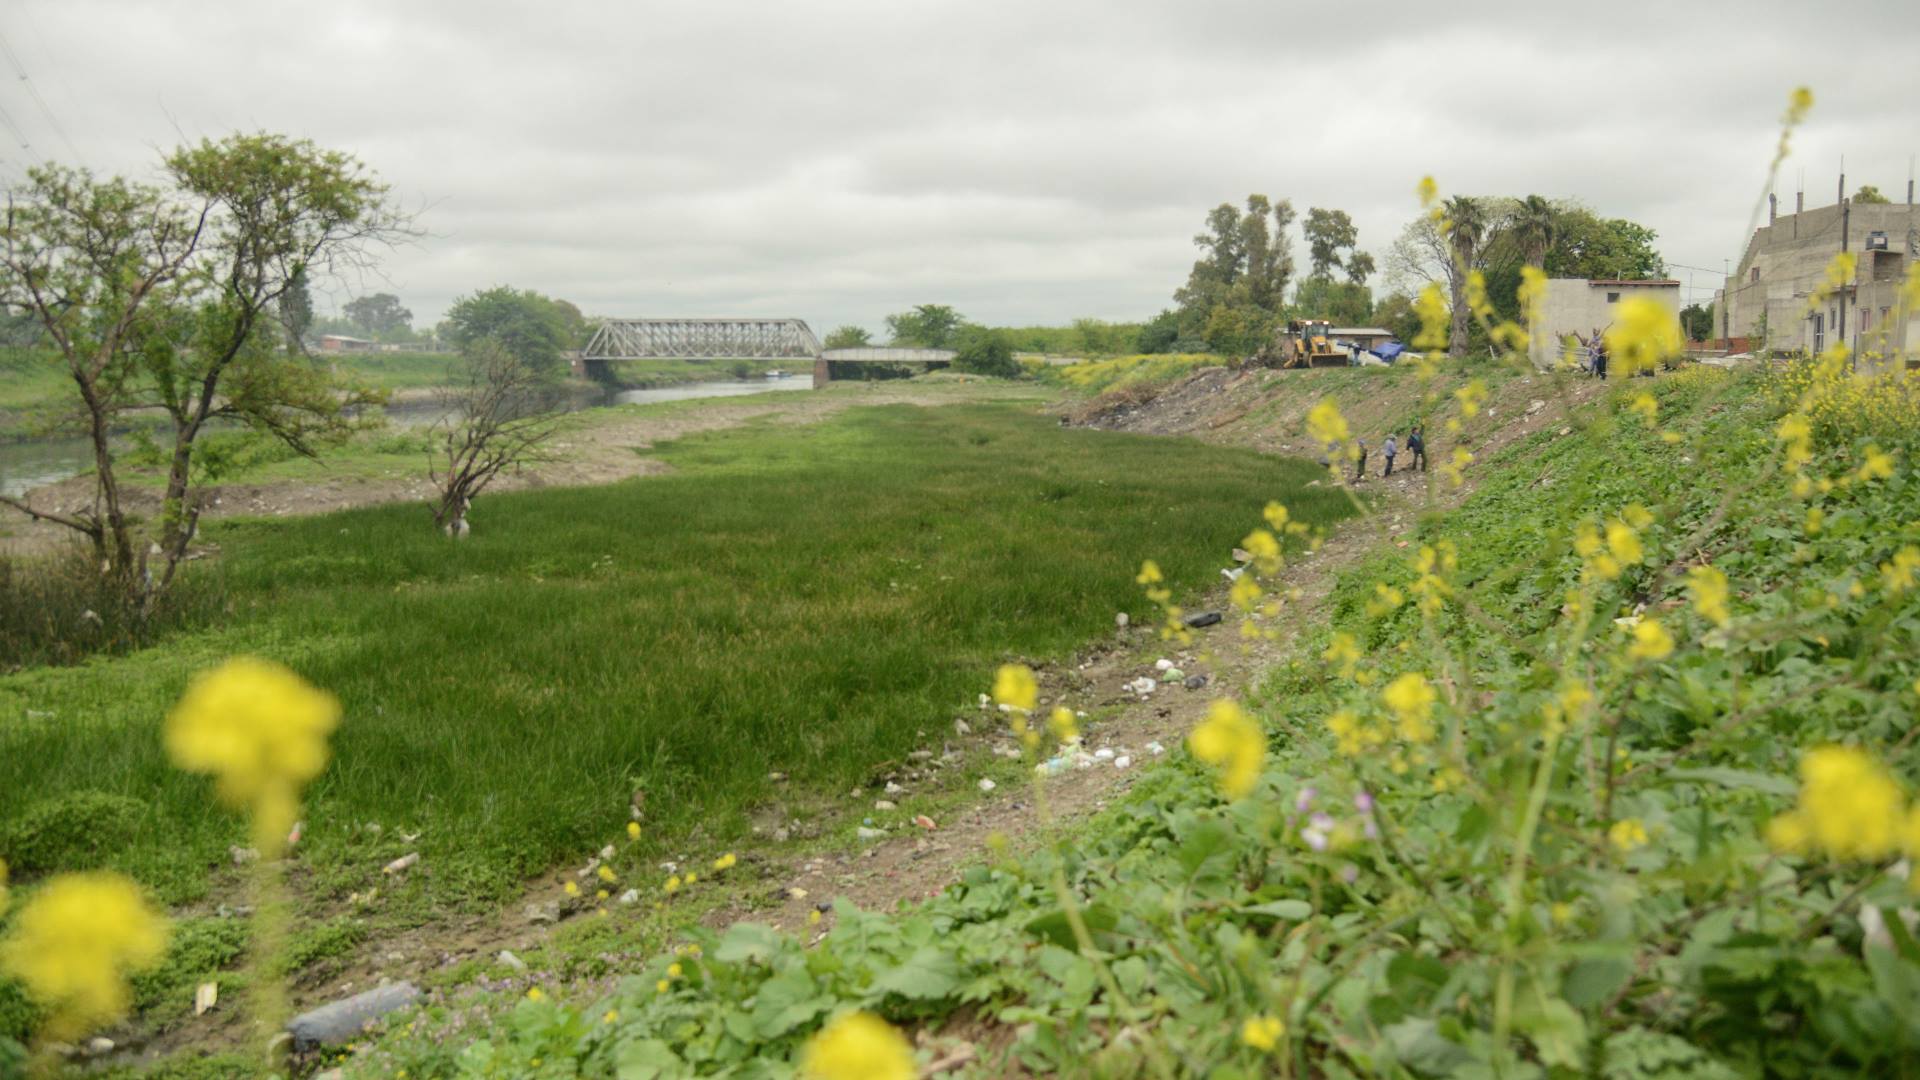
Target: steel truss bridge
(737, 339)
(702, 339)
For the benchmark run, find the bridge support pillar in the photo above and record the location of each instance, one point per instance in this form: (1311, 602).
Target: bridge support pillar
(822, 374)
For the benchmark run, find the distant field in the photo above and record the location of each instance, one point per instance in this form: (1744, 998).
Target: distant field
(793, 598)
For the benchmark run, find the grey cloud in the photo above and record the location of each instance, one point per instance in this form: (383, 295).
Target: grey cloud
(1028, 162)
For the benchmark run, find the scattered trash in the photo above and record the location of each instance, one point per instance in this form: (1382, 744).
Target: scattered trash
(293, 837)
(985, 701)
(1103, 754)
(884, 804)
(962, 728)
(1142, 685)
(924, 822)
(1156, 749)
(894, 789)
(920, 755)
(99, 1044)
(402, 863)
(506, 957)
(1195, 682)
(777, 777)
(1174, 674)
(631, 896)
(344, 1020)
(1201, 618)
(1120, 620)
(607, 852)
(796, 893)
(987, 785)
(205, 997)
(1232, 573)
(865, 833)
(1242, 555)
(1162, 664)
(242, 855)
(1124, 761)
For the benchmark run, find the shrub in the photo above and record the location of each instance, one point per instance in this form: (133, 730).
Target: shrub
(76, 830)
(984, 351)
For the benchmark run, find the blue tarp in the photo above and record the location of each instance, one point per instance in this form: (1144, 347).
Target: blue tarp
(1388, 351)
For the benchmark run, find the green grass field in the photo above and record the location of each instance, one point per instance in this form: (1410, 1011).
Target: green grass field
(794, 598)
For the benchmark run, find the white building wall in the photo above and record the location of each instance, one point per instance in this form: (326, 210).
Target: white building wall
(1577, 306)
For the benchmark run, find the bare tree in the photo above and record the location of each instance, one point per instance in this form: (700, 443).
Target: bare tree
(499, 420)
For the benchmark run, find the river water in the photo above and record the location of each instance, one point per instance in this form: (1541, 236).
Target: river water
(28, 465)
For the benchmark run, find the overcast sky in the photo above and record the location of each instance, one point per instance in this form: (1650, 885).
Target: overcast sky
(1028, 162)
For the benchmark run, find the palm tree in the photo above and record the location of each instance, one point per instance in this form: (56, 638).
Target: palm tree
(1536, 224)
(1466, 227)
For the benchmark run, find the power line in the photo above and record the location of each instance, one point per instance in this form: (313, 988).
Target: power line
(6, 49)
(6, 120)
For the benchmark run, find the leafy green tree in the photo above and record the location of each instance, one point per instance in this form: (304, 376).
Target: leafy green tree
(1589, 246)
(1359, 267)
(1395, 312)
(533, 329)
(1533, 223)
(984, 351)
(1238, 284)
(848, 337)
(296, 308)
(378, 314)
(1869, 194)
(1159, 334)
(1328, 233)
(579, 328)
(1468, 224)
(1697, 320)
(1340, 302)
(166, 300)
(928, 326)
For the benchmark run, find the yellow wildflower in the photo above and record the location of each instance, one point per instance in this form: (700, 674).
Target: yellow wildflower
(1149, 573)
(673, 884)
(1709, 588)
(1636, 515)
(610, 1017)
(74, 944)
(633, 830)
(725, 862)
(1650, 641)
(1816, 520)
(1061, 723)
(607, 875)
(1276, 515)
(1411, 698)
(1627, 834)
(1623, 542)
(662, 986)
(1645, 333)
(1877, 465)
(601, 894)
(1428, 191)
(1229, 740)
(1897, 575)
(1346, 730)
(1385, 599)
(261, 732)
(1850, 807)
(690, 878)
(858, 1046)
(1456, 469)
(1262, 1032)
(571, 889)
(813, 917)
(1326, 426)
(1435, 317)
(1796, 436)
(534, 993)
(1471, 396)
(1014, 685)
(675, 971)
(1245, 593)
(1344, 651)
(3, 886)
(1797, 106)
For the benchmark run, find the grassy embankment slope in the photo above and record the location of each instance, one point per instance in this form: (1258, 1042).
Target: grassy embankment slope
(1544, 856)
(789, 598)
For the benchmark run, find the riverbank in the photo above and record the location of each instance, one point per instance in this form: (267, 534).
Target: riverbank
(595, 446)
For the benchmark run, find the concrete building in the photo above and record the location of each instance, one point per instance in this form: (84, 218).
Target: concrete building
(1785, 263)
(1576, 307)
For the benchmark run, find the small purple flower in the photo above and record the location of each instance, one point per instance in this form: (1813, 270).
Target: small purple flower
(1363, 801)
(1303, 802)
(1316, 839)
(1323, 822)
(1371, 830)
(1349, 873)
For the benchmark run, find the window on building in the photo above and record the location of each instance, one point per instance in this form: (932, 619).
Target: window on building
(1613, 298)
(1819, 332)
(1756, 273)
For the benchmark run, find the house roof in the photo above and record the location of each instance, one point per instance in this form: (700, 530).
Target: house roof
(1627, 281)
(1363, 331)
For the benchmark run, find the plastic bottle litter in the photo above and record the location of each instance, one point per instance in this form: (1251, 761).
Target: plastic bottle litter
(1103, 754)
(1162, 664)
(1124, 761)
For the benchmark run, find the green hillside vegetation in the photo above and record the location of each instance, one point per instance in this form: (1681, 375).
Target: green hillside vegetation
(1553, 793)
